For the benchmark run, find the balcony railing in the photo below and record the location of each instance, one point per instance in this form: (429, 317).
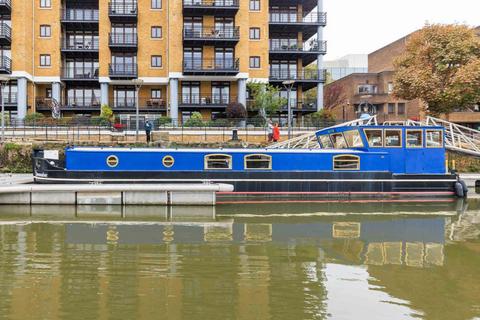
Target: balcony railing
(82, 44)
(124, 10)
(123, 70)
(143, 102)
(317, 18)
(5, 64)
(212, 33)
(211, 3)
(123, 39)
(211, 65)
(5, 5)
(205, 100)
(5, 32)
(289, 45)
(301, 75)
(80, 15)
(83, 102)
(71, 73)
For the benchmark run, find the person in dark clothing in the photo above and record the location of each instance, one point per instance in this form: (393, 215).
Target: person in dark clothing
(148, 129)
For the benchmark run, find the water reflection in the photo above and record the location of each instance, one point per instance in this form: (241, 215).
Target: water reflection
(308, 261)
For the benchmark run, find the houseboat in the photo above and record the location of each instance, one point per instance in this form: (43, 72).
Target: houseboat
(363, 161)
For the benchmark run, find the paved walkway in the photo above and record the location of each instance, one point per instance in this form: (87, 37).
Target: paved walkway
(15, 178)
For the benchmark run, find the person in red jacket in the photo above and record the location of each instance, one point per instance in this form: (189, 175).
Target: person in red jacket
(276, 132)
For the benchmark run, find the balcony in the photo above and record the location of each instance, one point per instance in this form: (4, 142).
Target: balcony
(292, 49)
(210, 7)
(80, 46)
(123, 12)
(123, 70)
(211, 36)
(5, 65)
(146, 104)
(5, 7)
(211, 67)
(195, 101)
(80, 74)
(80, 18)
(85, 104)
(5, 34)
(286, 21)
(307, 78)
(123, 42)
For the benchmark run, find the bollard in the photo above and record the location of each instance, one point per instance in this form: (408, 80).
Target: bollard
(234, 135)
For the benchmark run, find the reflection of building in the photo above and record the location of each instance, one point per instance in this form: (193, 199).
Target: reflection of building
(344, 66)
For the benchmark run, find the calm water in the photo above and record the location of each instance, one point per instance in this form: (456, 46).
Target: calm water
(269, 261)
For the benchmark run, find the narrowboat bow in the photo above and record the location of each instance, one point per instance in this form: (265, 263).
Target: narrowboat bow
(364, 161)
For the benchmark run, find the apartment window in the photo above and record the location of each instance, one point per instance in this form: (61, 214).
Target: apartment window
(45, 31)
(45, 60)
(156, 32)
(45, 4)
(156, 61)
(254, 62)
(254, 33)
(254, 5)
(389, 87)
(48, 93)
(391, 108)
(367, 89)
(156, 93)
(401, 108)
(156, 4)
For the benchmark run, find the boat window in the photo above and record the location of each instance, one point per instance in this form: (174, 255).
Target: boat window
(414, 139)
(338, 141)
(374, 138)
(354, 140)
(393, 138)
(326, 142)
(434, 138)
(218, 161)
(346, 162)
(168, 161)
(258, 161)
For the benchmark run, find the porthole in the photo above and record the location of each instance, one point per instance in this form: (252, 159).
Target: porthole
(168, 161)
(112, 161)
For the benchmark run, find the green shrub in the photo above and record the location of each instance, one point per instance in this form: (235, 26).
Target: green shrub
(219, 123)
(162, 121)
(32, 118)
(100, 121)
(196, 120)
(106, 113)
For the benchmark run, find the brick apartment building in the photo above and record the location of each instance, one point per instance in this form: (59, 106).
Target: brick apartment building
(373, 89)
(190, 55)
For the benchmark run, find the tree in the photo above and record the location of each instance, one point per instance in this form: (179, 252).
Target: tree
(333, 96)
(441, 66)
(236, 110)
(106, 112)
(266, 98)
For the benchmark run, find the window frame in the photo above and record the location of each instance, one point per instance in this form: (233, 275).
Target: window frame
(343, 137)
(48, 29)
(205, 161)
(257, 6)
(245, 160)
(254, 30)
(157, 28)
(368, 141)
(156, 58)
(441, 139)
(154, 3)
(357, 159)
(155, 90)
(329, 140)
(359, 136)
(254, 58)
(45, 4)
(48, 58)
(406, 138)
(385, 140)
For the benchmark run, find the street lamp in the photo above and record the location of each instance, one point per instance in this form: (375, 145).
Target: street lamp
(288, 84)
(3, 83)
(137, 83)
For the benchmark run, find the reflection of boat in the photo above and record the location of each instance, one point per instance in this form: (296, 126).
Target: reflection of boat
(348, 161)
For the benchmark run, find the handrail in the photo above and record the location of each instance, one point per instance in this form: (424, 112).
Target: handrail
(211, 3)
(6, 2)
(5, 63)
(211, 64)
(5, 30)
(80, 73)
(292, 45)
(202, 99)
(294, 17)
(123, 69)
(89, 43)
(319, 74)
(218, 33)
(123, 8)
(79, 15)
(123, 38)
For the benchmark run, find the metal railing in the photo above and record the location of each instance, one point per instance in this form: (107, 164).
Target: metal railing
(143, 103)
(5, 31)
(123, 9)
(5, 64)
(212, 33)
(73, 103)
(80, 44)
(80, 15)
(7, 3)
(211, 65)
(314, 75)
(123, 69)
(319, 18)
(201, 99)
(123, 39)
(79, 73)
(211, 3)
(292, 45)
